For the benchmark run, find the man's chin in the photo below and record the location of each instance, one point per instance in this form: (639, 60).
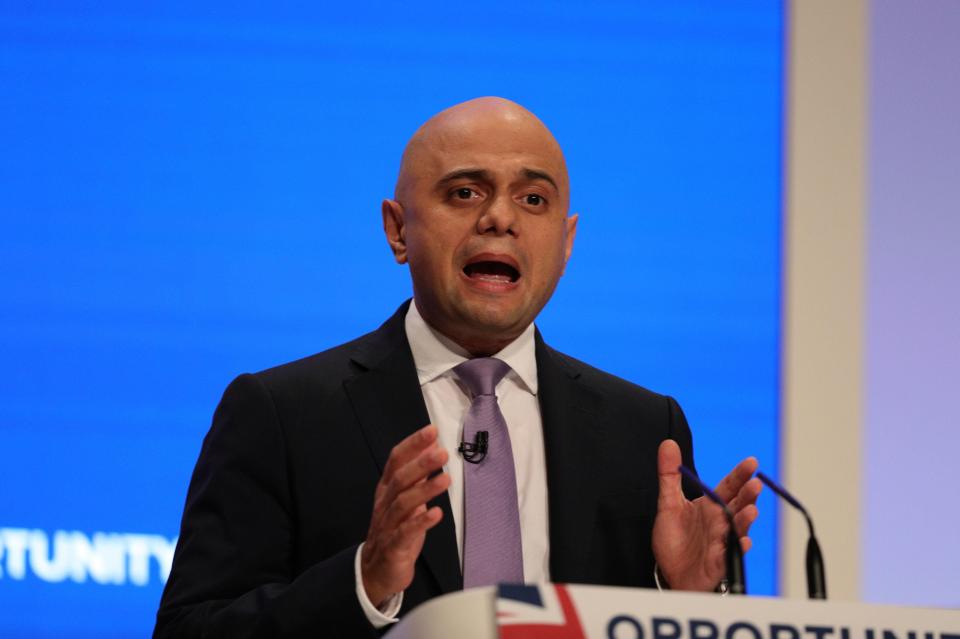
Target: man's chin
(495, 320)
(483, 324)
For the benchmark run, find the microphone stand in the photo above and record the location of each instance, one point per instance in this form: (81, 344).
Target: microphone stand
(736, 576)
(816, 574)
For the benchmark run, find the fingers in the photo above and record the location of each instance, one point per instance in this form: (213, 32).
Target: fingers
(409, 448)
(744, 509)
(668, 461)
(744, 519)
(404, 541)
(416, 470)
(730, 486)
(747, 495)
(406, 485)
(413, 499)
(411, 460)
(743, 501)
(417, 525)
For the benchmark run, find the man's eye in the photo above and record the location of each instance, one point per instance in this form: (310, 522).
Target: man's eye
(533, 199)
(464, 193)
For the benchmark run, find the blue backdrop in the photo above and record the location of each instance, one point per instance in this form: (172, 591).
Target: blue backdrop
(190, 192)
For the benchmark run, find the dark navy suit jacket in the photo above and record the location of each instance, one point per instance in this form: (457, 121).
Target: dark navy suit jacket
(283, 489)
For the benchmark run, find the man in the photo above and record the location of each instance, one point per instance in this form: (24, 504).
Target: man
(324, 505)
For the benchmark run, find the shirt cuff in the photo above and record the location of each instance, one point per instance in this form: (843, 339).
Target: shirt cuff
(723, 588)
(378, 617)
(656, 578)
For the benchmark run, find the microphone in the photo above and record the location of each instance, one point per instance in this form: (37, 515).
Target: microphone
(475, 452)
(736, 577)
(816, 575)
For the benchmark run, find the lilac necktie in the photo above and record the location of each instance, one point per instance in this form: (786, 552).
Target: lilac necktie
(492, 551)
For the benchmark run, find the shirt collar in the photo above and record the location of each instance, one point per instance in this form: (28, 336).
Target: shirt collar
(434, 354)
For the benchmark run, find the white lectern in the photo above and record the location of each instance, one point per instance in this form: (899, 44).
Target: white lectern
(553, 611)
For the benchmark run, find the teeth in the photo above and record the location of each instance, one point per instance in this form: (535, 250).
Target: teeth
(492, 278)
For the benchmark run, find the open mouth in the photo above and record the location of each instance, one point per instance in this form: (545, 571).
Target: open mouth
(491, 270)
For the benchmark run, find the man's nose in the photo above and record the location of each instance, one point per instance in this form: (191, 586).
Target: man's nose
(499, 217)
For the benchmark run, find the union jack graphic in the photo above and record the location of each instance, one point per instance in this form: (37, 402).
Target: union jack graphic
(537, 612)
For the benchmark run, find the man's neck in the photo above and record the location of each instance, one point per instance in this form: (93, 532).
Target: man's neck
(435, 354)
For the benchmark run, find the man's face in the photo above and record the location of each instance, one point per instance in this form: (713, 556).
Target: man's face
(482, 208)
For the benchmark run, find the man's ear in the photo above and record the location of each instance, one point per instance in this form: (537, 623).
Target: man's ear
(571, 235)
(395, 230)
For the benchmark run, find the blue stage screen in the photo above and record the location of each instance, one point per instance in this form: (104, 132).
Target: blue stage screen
(191, 191)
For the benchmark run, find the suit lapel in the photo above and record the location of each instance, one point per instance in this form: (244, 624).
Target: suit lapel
(573, 444)
(389, 406)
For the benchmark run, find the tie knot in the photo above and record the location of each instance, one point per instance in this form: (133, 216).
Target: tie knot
(482, 374)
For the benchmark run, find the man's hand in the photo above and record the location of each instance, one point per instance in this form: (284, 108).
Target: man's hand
(689, 536)
(400, 518)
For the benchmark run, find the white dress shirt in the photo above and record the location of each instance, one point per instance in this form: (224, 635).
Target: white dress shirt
(447, 402)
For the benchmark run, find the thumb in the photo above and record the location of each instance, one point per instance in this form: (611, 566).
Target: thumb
(668, 461)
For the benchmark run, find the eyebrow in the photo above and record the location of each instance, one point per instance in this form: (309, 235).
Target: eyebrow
(485, 176)
(533, 174)
(479, 175)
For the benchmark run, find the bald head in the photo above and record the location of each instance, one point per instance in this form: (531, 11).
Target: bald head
(486, 126)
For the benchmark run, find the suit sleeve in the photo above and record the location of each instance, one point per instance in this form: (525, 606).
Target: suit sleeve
(232, 572)
(680, 433)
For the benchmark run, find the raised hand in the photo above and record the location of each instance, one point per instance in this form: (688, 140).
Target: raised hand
(401, 518)
(689, 536)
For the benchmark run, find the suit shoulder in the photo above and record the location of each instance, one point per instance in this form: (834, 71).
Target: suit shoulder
(332, 366)
(609, 385)
(323, 370)
(332, 363)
